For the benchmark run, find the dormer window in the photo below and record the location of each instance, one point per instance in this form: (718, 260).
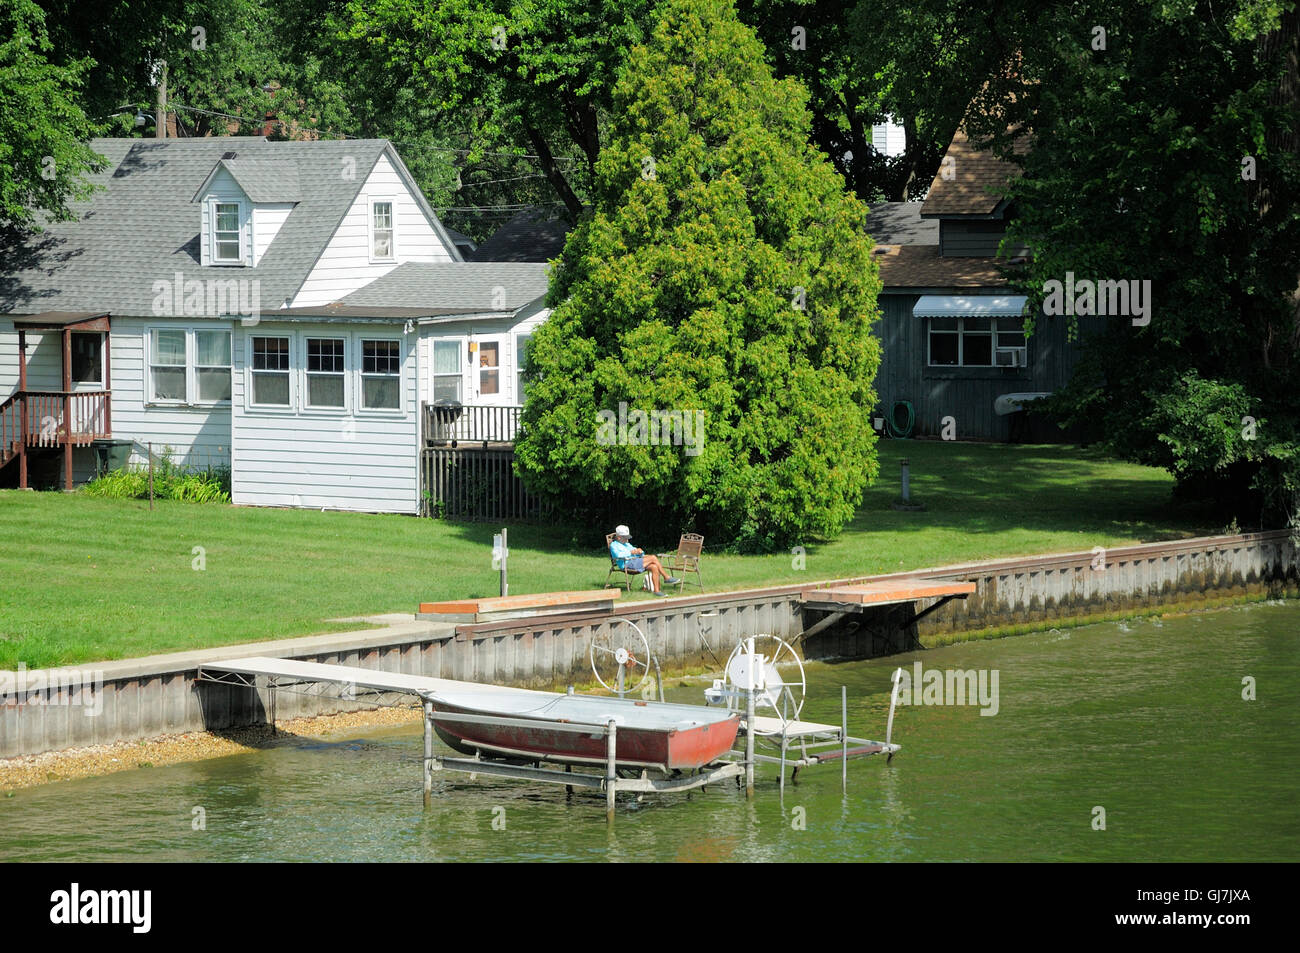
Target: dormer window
(381, 231)
(226, 233)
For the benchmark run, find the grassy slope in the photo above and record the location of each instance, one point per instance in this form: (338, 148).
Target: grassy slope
(84, 579)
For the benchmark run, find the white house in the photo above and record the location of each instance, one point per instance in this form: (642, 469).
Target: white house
(286, 309)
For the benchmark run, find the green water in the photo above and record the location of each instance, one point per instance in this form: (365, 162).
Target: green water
(1145, 719)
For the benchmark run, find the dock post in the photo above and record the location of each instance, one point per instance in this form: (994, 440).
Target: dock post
(611, 775)
(844, 738)
(749, 727)
(428, 753)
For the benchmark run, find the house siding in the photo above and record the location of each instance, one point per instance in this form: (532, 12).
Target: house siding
(345, 264)
(965, 394)
(191, 436)
(346, 460)
(267, 220)
(44, 363)
(974, 239)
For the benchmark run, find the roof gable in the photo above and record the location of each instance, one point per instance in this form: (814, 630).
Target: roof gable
(143, 228)
(970, 180)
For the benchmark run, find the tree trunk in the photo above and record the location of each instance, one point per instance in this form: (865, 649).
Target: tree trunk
(572, 204)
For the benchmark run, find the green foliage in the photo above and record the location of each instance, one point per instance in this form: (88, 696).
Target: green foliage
(170, 482)
(523, 75)
(918, 61)
(681, 293)
(123, 484)
(1137, 174)
(43, 130)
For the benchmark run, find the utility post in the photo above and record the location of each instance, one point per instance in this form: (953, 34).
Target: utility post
(160, 112)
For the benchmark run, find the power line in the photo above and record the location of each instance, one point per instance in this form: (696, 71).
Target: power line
(515, 178)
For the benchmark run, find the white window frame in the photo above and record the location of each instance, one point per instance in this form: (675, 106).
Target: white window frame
(961, 333)
(370, 228)
(305, 390)
(476, 369)
(462, 349)
(190, 366)
(213, 258)
(193, 366)
(361, 338)
(149, 392)
(249, 402)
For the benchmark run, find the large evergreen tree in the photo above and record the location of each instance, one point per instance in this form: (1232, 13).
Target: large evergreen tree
(723, 270)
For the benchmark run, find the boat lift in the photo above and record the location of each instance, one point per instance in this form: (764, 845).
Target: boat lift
(751, 683)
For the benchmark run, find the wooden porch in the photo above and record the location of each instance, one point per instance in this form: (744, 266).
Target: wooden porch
(451, 424)
(33, 421)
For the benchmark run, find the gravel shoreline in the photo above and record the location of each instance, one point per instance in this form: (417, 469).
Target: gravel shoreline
(28, 771)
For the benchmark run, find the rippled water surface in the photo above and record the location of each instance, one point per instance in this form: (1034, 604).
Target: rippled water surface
(1145, 719)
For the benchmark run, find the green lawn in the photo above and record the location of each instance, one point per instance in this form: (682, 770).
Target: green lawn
(85, 580)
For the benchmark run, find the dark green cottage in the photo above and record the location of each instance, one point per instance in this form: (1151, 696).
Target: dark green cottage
(952, 332)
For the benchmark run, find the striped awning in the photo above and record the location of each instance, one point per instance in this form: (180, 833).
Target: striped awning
(955, 306)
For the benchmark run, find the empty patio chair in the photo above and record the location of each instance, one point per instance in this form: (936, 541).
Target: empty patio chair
(686, 559)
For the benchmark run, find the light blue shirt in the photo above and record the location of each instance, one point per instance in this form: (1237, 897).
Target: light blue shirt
(620, 551)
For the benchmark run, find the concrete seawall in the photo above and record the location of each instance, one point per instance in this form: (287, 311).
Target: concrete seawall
(47, 710)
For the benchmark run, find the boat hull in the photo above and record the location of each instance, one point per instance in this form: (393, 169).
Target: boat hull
(668, 749)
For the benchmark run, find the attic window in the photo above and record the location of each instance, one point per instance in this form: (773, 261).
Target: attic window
(225, 232)
(381, 231)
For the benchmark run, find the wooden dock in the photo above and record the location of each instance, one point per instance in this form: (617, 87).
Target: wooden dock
(863, 595)
(517, 607)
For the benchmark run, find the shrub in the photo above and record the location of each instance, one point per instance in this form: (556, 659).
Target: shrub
(170, 482)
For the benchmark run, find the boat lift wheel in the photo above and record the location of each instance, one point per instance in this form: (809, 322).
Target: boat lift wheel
(782, 695)
(617, 654)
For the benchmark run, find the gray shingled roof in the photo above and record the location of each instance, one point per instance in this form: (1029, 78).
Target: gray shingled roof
(900, 223)
(143, 228)
(530, 235)
(263, 180)
(471, 284)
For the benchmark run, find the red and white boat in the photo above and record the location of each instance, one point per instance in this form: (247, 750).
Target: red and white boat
(657, 735)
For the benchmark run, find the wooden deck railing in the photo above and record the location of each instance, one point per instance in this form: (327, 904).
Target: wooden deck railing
(470, 424)
(52, 418)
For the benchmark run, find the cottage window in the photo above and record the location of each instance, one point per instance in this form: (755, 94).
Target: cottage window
(212, 365)
(326, 372)
(167, 365)
(974, 341)
(271, 371)
(381, 375)
(446, 370)
(382, 231)
(226, 232)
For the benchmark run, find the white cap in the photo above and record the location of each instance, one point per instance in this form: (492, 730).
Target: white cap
(622, 530)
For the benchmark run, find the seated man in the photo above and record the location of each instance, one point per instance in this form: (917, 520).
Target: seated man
(628, 557)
